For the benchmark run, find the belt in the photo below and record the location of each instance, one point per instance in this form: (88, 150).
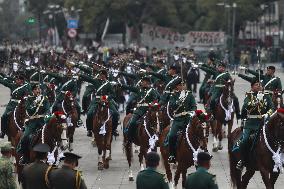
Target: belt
(34, 81)
(15, 100)
(182, 114)
(36, 117)
(143, 105)
(268, 92)
(254, 116)
(98, 97)
(219, 85)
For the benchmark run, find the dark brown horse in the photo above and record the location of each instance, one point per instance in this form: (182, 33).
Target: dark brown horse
(224, 114)
(102, 129)
(68, 107)
(50, 93)
(16, 122)
(269, 144)
(146, 137)
(192, 140)
(277, 98)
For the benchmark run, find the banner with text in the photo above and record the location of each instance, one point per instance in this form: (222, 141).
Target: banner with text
(161, 37)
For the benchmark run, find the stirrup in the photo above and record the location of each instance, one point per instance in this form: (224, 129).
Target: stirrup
(240, 165)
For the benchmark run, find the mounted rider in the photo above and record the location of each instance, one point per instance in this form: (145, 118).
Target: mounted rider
(19, 88)
(103, 87)
(257, 106)
(37, 107)
(145, 95)
(183, 104)
(220, 77)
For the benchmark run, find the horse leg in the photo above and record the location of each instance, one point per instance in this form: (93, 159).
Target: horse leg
(183, 177)
(265, 177)
(214, 132)
(220, 135)
(136, 149)
(177, 175)
(246, 178)
(273, 178)
(70, 133)
(230, 125)
(100, 159)
(141, 158)
(128, 149)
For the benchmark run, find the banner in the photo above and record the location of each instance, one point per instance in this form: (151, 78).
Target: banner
(161, 37)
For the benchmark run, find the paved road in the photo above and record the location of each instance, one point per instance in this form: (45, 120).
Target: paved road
(116, 177)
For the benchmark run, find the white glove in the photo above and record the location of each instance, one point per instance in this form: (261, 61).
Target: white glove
(42, 71)
(113, 83)
(260, 96)
(265, 116)
(182, 95)
(143, 71)
(38, 99)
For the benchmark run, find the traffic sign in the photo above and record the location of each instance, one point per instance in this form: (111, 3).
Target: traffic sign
(72, 33)
(72, 24)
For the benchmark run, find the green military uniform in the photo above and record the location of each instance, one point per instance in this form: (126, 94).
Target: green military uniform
(37, 107)
(201, 179)
(66, 178)
(204, 85)
(17, 93)
(7, 179)
(151, 179)
(144, 97)
(252, 111)
(269, 83)
(34, 175)
(102, 88)
(182, 103)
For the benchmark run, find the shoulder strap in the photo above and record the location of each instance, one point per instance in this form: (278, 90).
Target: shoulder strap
(102, 86)
(220, 75)
(148, 92)
(270, 81)
(46, 176)
(65, 84)
(78, 179)
(19, 88)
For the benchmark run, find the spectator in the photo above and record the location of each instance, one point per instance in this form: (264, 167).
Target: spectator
(7, 180)
(201, 179)
(150, 178)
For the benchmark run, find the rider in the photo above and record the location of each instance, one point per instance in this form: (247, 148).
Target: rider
(103, 88)
(269, 81)
(145, 95)
(37, 107)
(183, 103)
(19, 89)
(256, 106)
(221, 76)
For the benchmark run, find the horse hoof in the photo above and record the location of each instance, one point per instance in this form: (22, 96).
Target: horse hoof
(131, 179)
(109, 158)
(100, 166)
(136, 151)
(215, 150)
(94, 143)
(220, 147)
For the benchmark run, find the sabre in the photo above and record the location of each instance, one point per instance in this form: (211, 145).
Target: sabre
(258, 62)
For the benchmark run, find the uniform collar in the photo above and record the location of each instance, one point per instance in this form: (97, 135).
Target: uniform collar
(202, 169)
(151, 168)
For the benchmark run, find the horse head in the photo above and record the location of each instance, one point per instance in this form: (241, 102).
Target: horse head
(103, 106)
(200, 128)
(277, 98)
(153, 116)
(276, 128)
(54, 127)
(50, 92)
(68, 104)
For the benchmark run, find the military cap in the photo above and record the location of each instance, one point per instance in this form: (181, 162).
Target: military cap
(71, 156)
(203, 156)
(176, 82)
(223, 64)
(34, 86)
(41, 148)
(20, 76)
(271, 67)
(173, 67)
(254, 81)
(6, 146)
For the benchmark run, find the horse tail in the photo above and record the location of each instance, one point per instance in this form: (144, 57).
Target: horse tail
(233, 170)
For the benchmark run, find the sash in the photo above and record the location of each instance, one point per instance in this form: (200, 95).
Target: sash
(65, 84)
(220, 75)
(148, 92)
(171, 81)
(269, 82)
(19, 88)
(100, 88)
(33, 75)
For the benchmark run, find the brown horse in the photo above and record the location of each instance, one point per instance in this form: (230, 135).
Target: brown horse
(146, 137)
(51, 134)
(16, 122)
(192, 140)
(50, 93)
(224, 114)
(102, 129)
(269, 145)
(69, 109)
(277, 98)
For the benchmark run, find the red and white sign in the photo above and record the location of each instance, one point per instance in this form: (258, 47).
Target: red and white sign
(72, 33)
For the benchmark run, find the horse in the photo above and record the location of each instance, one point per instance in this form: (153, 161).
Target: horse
(269, 150)
(147, 135)
(102, 129)
(277, 98)
(224, 113)
(16, 122)
(69, 109)
(192, 140)
(51, 134)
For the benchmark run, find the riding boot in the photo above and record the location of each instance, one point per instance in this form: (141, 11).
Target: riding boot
(131, 133)
(80, 122)
(237, 108)
(89, 126)
(114, 126)
(4, 124)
